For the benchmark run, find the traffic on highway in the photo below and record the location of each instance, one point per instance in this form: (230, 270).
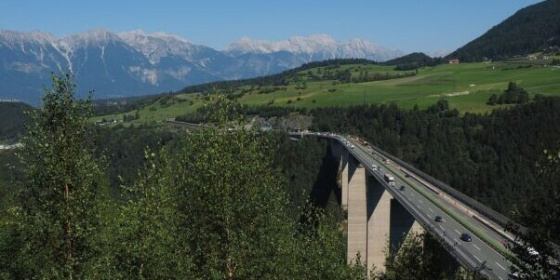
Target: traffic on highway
(469, 239)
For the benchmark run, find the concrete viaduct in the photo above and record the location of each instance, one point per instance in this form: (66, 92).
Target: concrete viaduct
(386, 199)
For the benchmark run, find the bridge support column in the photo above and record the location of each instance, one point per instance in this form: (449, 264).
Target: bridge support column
(388, 225)
(340, 153)
(357, 213)
(402, 224)
(379, 225)
(344, 182)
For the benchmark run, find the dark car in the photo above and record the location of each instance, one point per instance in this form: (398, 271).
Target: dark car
(402, 188)
(466, 237)
(438, 219)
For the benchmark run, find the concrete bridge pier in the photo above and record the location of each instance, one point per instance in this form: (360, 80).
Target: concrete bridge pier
(357, 213)
(340, 153)
(389, 223)
(379, 224)
(376, 221)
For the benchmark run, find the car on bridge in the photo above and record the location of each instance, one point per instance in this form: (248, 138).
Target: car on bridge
(466, 237)
(438, 219)
(402, 188)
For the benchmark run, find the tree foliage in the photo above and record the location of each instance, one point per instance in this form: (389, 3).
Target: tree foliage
(56, 222)
(514, 94)
(420, 257)
(536, 248)
(12, 118)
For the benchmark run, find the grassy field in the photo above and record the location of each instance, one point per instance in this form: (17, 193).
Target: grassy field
(466, 86)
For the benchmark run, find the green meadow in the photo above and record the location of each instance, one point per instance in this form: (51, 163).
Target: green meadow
(466, 86)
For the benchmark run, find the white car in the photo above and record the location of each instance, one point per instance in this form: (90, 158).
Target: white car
(532, 251)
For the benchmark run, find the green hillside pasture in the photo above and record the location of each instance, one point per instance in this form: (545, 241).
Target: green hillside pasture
(466, 86)
(159, 112)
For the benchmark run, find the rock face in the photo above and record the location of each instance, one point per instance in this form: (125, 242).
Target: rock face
(136, 63)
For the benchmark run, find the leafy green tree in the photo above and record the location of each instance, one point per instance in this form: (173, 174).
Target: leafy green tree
(143, 243)
(58, 218)
(235, 216)
(514, 94)
(492, 100)
(321, 250)
(419, 257)
(534, 247)
(232, 205)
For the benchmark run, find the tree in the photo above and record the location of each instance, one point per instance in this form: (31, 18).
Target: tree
(144, 241)
(232, 207)
(234, 213)
(492, 100)
(537, 255)
(59, 214)
(420, 257)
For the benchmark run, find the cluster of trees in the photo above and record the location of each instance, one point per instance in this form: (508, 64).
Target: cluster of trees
(335, 73)
(347, 77)
(122, 105)
(210, 206)
(414, 61)
(514, 94)
(280, 79)
(12, 117)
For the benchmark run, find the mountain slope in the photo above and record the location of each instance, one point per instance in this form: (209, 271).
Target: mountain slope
(135, 63)
(529, 30)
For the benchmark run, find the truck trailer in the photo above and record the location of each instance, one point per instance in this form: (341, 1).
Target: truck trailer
(389, 178)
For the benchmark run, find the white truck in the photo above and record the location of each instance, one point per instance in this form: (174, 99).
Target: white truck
(389, 178)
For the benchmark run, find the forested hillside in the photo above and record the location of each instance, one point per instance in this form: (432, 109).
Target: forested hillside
(489, 157)
(12, 118)
(532, 29)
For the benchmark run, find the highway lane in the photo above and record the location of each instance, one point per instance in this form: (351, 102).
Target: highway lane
(476, 254)
(460, 209)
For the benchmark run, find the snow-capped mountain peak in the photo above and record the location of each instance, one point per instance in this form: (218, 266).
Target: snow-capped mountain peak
(15, 37)
(136, 62)
(95, 37)
(158, 45)
(319, 46)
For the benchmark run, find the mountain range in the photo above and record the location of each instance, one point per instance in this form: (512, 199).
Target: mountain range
(136, 63)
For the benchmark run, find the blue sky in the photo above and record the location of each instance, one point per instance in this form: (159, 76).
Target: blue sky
(408, 25)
